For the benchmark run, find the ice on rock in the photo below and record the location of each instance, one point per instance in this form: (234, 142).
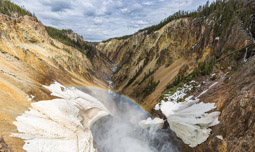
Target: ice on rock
(157, 106)
(60, 125)
(155, 123)
(207, 89)
(220, 137)
(190, 120)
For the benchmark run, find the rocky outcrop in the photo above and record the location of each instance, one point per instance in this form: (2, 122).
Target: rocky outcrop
(74, 36)
(147, 63)
(176, 49)
(30, 58)
(3, 146)
(234, 98)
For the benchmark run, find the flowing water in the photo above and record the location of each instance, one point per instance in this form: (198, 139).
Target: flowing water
(82, 118)
(120, 132)
(245, 55)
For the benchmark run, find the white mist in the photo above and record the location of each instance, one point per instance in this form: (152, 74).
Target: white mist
(90, 120)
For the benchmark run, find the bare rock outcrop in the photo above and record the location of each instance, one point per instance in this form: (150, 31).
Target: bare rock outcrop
(3, 146)
(30, 58)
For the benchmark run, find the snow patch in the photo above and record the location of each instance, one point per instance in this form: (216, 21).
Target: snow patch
(179, 94)
(30, 97)
(155, 123)
(190, 120)
(245, 55)
(220, 137)
(194, 46)
(60, 125)
(207, 89)
(157, 106)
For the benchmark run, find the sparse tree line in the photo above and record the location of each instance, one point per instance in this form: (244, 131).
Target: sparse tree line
(225, 10)
(8, 8)
(61, 36)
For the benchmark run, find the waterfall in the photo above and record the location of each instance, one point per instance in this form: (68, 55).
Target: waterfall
(122, 131)
(85, 119)
(96, 120)
(114, 68)
(245, 55)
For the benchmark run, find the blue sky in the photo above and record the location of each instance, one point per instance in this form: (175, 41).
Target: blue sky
(98, 20)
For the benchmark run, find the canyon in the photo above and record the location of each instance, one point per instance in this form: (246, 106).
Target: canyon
(148, 64)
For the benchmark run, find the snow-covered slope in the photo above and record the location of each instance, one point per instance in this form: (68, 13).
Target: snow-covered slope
(60, 125)
(190, 120)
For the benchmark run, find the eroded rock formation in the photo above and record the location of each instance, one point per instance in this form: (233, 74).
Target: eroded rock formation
(30, 58)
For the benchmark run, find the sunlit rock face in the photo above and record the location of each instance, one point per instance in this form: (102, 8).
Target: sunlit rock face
(29, 58)
(60, 125)
(190, 120)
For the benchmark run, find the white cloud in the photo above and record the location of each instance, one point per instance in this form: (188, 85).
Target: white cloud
(98, 21)
(148, 3)
(124, 10)
(103, 19)
(141, 22)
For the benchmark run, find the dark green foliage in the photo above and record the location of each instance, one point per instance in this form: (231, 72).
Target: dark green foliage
(147, 75)
(178, 80)
(139, 71)
(2, 51)
(224, 10)
(226, 14)
(163, 96)
(7, 7)
(202, 11)
(213, 77)
(61, 36)
(16, 57)
(150, 87)
(253, 26)
(203, 69)
(53, 44)
(178, 83)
